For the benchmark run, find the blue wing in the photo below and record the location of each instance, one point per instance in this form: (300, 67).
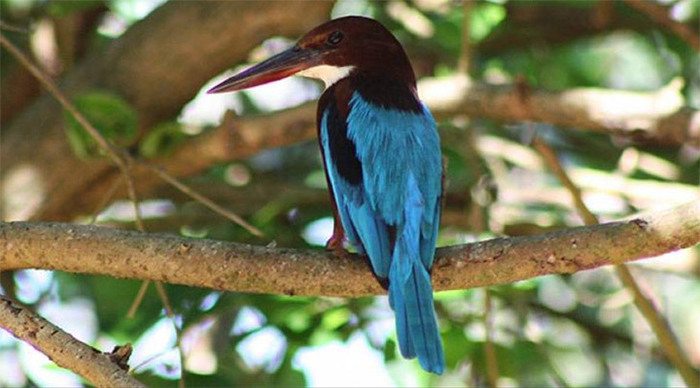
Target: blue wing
(388, 201)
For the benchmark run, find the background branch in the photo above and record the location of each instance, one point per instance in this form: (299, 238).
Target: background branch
(650, 312)
(120, 157)
(547, 24)
(643, 118)
(62, 348)
(656, 117)
(237, 267)
(660, 15)
(156, 89)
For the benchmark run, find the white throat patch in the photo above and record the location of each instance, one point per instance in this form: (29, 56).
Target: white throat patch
(327, 73)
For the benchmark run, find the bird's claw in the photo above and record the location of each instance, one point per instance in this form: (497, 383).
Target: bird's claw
(335, 243)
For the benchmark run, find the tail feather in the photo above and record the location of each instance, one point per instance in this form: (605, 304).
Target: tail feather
(410, 291)
(403, 332)
(423, 323)
(411, 297)
(416, 326)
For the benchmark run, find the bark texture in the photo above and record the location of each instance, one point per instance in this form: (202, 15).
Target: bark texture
(100, 369)
(244, 268)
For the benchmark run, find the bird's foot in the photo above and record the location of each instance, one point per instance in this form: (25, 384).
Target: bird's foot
(335, 243)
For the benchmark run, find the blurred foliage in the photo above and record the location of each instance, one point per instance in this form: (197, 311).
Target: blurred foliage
(161, 140)
(67, 7)
(578, 330)
(111, 115)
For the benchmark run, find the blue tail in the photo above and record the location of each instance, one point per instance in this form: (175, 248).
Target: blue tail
(416, 326)
(411, 294)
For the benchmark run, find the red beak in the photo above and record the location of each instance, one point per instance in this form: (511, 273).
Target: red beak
(280, 66)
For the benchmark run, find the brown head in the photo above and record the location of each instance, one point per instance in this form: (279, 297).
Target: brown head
(331, 52)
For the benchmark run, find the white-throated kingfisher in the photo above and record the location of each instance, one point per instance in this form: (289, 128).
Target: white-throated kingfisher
(381, 153)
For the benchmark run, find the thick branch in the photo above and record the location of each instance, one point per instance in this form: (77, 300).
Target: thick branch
(236, 267)
(62, 348)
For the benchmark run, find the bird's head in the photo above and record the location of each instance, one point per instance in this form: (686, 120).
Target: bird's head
(330, 52)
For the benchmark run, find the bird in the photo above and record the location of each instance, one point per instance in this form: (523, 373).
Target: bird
(381, 154)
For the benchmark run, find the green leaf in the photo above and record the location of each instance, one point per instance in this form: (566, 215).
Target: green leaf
(111, 115)
(457, 346)
(161, 140)
(335, 318)
(485, 18)
(389, 350)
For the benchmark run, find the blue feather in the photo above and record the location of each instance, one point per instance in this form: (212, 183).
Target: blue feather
(399, 152)
(409, 278)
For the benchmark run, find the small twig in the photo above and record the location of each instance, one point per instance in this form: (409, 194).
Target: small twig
(149, 360)
(160, 288)
(465, 50)
(659, 14)
(553, 163)
(138, 299)
(170, 312)
(9, 27)
(131, 190)
(489, 349)
(105, 200)
(124, 162)
(120, 157)
(657, 322)
(62, 348)
(660, 326)
(477, 214)
(202, 199)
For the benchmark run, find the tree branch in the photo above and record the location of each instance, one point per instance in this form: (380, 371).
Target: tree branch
(235, 138)
(659, 14)
(657, 117)
(101, 369)
(236, 267)
(644, 118)
(545, 23)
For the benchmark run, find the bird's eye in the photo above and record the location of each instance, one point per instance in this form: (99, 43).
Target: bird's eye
(334, 38)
